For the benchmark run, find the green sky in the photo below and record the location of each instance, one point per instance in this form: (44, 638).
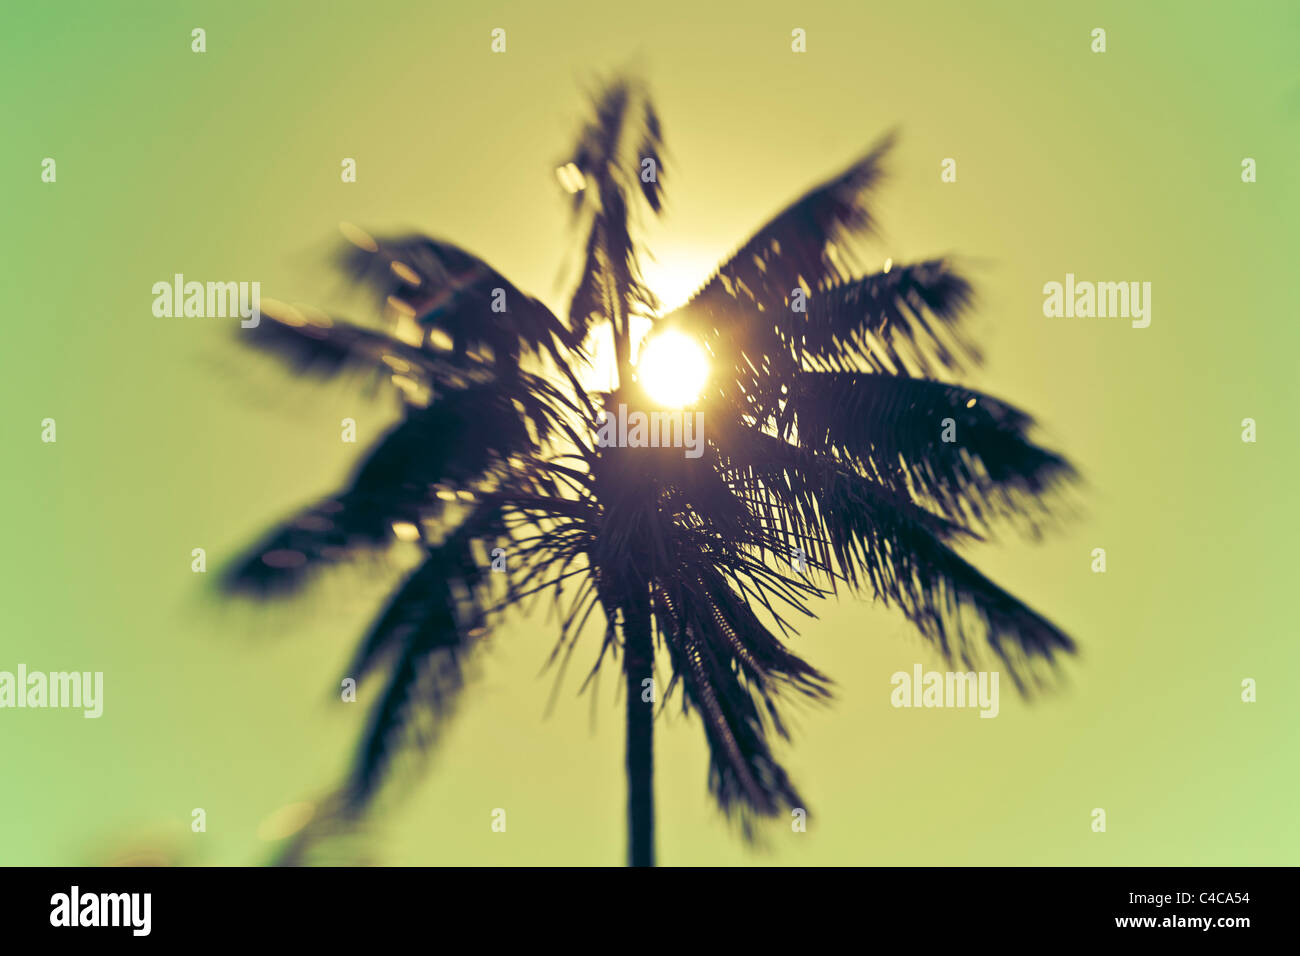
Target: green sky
(1120, 166)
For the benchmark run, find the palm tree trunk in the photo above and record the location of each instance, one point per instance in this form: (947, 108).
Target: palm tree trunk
(639, 662)
(638, 650)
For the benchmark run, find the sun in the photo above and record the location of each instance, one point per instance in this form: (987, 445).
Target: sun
(672, 368)
(674, 372)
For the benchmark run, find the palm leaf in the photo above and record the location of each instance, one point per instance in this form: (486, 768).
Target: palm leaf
(455, 443)
(445, 287)
(428, 627)
(788, 251)
(898, 429)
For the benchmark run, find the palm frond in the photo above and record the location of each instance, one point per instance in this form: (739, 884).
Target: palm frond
(445, 287)
(429, 626)
(714, 657)
(900, 322)
(450, 445)
(877, 536)
(961, 452)
(811, 501)
(624, 130)
(788, 252)
(652, 148)
(315, 345)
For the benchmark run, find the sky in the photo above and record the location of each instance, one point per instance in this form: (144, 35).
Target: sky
(1117, 166)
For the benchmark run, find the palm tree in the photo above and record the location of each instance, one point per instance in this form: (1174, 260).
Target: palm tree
(829, 462)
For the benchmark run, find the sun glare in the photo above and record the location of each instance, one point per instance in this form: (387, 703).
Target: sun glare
(672, 368)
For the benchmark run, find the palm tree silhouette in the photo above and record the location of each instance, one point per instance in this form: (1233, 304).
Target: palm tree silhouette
(834, 458)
